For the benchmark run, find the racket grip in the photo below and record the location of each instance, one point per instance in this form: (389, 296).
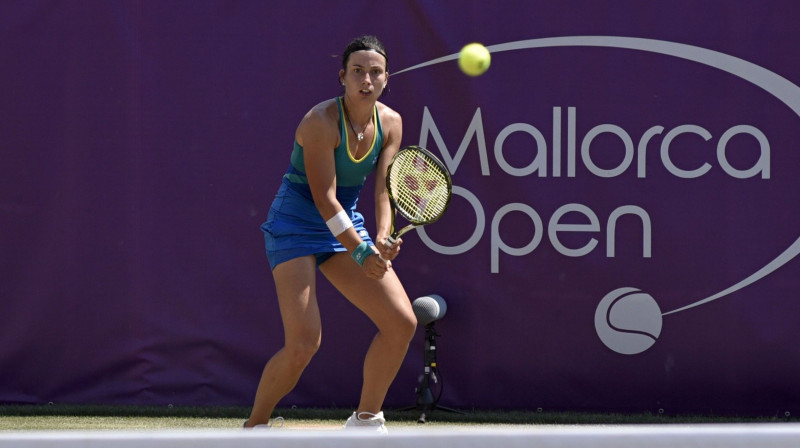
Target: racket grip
(389, 242)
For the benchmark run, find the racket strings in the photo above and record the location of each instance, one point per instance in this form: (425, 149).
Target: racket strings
(419, 186)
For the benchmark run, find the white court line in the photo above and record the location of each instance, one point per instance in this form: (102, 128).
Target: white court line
(755, 435)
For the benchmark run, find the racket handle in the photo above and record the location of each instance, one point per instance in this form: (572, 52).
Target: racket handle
(389, 242)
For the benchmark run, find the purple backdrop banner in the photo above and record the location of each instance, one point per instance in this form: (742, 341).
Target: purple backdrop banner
(622, 237)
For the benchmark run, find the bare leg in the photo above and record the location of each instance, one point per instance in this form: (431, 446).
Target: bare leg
(296, 288)
(385, 302)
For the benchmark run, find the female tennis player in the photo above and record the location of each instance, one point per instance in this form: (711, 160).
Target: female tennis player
(313, 224)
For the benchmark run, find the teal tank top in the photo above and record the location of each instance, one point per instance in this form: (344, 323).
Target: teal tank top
(350, 172)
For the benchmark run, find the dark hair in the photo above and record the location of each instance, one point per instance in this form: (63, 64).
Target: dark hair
(369, 43)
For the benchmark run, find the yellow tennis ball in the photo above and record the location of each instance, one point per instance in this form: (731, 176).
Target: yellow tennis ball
(474, 59)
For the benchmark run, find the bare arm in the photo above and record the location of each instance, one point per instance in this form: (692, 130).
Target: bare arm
(318, 137)
(393, 132)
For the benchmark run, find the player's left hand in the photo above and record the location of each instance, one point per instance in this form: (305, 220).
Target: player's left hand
(388, 252)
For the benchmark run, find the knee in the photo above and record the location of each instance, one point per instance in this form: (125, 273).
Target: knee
(403, 328)
(300, 352)
(411, 327)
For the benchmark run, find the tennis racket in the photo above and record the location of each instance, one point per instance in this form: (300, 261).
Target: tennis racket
(419, 188)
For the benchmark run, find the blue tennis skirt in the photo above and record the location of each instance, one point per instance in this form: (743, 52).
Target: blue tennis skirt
(294, 228)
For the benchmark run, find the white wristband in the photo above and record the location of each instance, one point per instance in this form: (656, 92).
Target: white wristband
(339, 223)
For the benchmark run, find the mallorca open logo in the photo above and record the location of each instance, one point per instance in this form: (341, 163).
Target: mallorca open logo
(627, 319)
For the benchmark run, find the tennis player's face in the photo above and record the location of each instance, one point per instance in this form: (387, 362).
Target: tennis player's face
(366, 74)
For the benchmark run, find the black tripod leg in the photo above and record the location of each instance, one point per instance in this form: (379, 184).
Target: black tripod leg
(454, 411)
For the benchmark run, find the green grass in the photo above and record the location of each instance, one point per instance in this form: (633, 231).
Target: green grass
(83, 417)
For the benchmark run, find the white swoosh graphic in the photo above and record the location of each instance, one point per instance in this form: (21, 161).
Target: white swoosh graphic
(776, 85)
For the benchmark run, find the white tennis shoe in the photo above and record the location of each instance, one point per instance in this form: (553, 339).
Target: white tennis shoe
(367, 421)
(276, 422)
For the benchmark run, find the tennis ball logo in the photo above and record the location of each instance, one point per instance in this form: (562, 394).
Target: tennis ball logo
(474, 59)
(628, 321)
(413, 184)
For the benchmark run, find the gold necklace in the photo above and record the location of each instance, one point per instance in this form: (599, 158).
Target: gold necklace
(359, 135)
